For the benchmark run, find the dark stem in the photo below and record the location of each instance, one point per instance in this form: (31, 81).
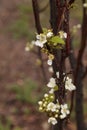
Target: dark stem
(53, 15)
(79, 72)
(39, 30)
(36, 16)
(72, 60)
(57, 13)
(71, 2)
(85, 73)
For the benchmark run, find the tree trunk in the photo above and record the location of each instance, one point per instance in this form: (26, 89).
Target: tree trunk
(79, 74)
(57, 54)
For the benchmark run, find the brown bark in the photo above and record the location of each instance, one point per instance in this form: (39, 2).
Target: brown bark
(39, 30)
(79, 75)
(58, 13)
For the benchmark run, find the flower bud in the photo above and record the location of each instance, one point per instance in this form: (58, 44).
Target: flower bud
(40, 108)
(40, 102)
(45, 95)
(56, 115)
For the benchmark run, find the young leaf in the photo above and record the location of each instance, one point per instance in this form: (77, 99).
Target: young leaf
(57, 39)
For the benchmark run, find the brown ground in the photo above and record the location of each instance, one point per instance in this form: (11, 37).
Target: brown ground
(15, 65)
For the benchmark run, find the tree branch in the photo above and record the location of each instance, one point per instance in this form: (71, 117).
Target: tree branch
(79, 71)
(83, 41)
(36, 16)
(72, 60)
(85, 73)
(39, 30)
(71, 2)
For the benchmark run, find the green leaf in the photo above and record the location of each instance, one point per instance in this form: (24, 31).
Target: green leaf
(58, 40)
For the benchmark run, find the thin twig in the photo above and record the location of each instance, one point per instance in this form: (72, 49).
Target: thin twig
(72, 60)
(71, 2)
(39, 30)
(85, 73)
(83, 42)
(36, 16)
(79, 71)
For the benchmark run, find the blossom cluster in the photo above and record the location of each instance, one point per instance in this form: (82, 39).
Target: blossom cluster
(42, 38)
(68, 83)
(55, 110)
(49, 104)
(47, 38)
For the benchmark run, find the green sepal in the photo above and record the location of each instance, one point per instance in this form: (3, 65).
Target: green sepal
(56, 88)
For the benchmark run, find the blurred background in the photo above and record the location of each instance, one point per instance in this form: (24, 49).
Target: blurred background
(21, 79)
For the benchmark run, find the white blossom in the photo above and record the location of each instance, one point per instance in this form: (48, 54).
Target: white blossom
(27, 48)
(40, 102)
(78, 26)
(49, 62)
(40, 108)
(50, 69)
(51, 83)
(65, 35)
(64, 111)
(49, 34)
(51, 91)
(41, 40)
(57, 74)
(69, 85)
(51, 107)
(57, 106)
(62, 116)
(41, 37)
(39, 43)
(52, 120)
(62, 34)
(45, 95)
(85, 5)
